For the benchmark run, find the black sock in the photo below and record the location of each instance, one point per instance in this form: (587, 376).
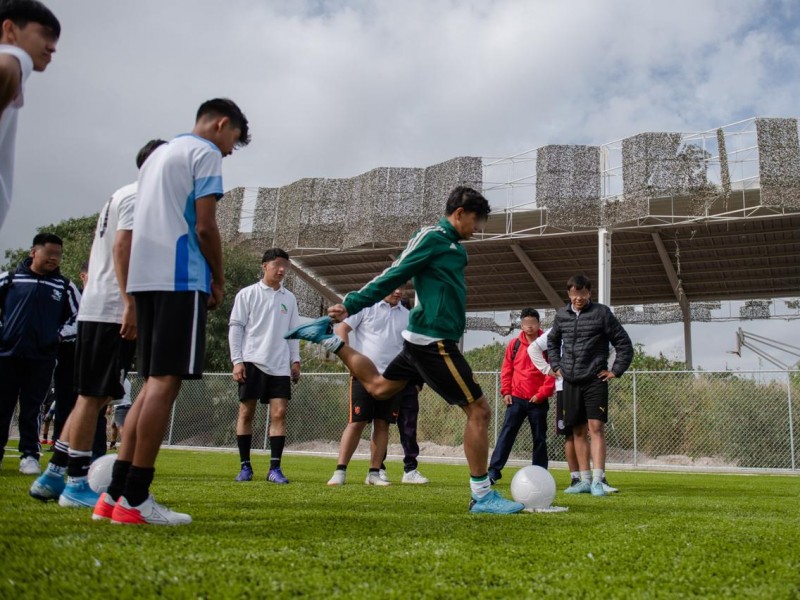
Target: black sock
(371, 470)
(246, 463)
(244, 442)
(137, 486)
(341, 468)
(276, 443)
(119, 474)
(60, 454)
(79, 466)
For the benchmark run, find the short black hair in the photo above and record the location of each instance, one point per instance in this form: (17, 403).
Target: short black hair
(40, 239)
(22, 12)
(529, 312)
(85, 267)
(224, 107)
(579, 282)
(274, 253)
(147, 150)
(470, 200)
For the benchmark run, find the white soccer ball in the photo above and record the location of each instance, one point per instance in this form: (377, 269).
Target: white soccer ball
(534, 487)
(100, 473)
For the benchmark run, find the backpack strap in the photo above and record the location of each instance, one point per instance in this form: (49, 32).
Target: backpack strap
(515, 349)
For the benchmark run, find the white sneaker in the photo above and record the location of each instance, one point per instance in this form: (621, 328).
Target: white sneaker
(608, 489)
(375, 479)
(148, 512)
(338, 477)
(415, 477)
(30, 466)
(382, 474)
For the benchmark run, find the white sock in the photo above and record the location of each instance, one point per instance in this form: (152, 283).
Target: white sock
(575, 474)
(480, 486)
(598, 475)
(586, 475)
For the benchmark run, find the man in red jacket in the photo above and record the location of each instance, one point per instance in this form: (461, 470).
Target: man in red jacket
(525, 392)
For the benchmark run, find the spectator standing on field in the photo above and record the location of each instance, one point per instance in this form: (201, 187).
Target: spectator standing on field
(538, 352)
(264, 363)
(583, 330)
(379, 333)
(38, 308)
(525, 390)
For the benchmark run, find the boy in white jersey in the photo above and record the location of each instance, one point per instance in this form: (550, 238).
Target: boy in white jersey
(175, 275)
(28, 36)
(264, 363)
(104, 348)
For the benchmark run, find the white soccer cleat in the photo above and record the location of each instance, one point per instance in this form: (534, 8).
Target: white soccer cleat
(382, 474)
(375, 479)
(338, 478)
(415, 477)
(30, 466)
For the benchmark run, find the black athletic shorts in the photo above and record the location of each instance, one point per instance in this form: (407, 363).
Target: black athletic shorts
(260, 386)
(442, 366)
(561, 428)
(584, 401)
(364, 407)
(102, 360)
(171, 337)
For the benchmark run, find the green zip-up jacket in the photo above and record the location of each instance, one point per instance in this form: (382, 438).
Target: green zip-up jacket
(435, 261)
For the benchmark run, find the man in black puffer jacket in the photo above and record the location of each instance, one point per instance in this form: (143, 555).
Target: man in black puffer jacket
(578, 349)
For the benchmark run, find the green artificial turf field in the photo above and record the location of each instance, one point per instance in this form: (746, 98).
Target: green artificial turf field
(664, 535)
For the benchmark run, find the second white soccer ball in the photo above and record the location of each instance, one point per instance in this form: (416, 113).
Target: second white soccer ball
(534, 487)
(100, 473)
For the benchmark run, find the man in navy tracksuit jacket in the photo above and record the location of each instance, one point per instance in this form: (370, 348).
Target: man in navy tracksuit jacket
(38, 308)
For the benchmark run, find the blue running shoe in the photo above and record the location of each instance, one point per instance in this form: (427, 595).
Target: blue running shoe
(319, 331)
(78, 494)
(48, 486)
(597, 488)
(246, 474)
(582, 487)
(276, 476)
(494, 504)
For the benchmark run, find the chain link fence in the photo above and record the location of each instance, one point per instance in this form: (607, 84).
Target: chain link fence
(658, 419)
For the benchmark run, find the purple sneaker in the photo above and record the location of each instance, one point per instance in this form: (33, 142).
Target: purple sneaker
(246, 474)
(276, 476)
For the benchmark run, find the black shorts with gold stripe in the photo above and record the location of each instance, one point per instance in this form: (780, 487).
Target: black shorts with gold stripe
(442, 366)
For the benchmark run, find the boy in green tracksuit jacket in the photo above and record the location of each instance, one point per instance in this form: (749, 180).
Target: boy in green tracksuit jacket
(435, 259)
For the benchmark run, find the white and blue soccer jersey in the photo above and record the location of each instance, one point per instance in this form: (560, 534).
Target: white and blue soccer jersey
(165, 253)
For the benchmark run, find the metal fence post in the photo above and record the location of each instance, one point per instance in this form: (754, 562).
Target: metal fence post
(496, 405)
(635, 431)
(791, 423)
(172, 422)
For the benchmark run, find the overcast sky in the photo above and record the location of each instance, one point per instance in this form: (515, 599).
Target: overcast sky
(333, 89)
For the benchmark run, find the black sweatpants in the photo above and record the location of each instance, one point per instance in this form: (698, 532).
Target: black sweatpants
(29, 381)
